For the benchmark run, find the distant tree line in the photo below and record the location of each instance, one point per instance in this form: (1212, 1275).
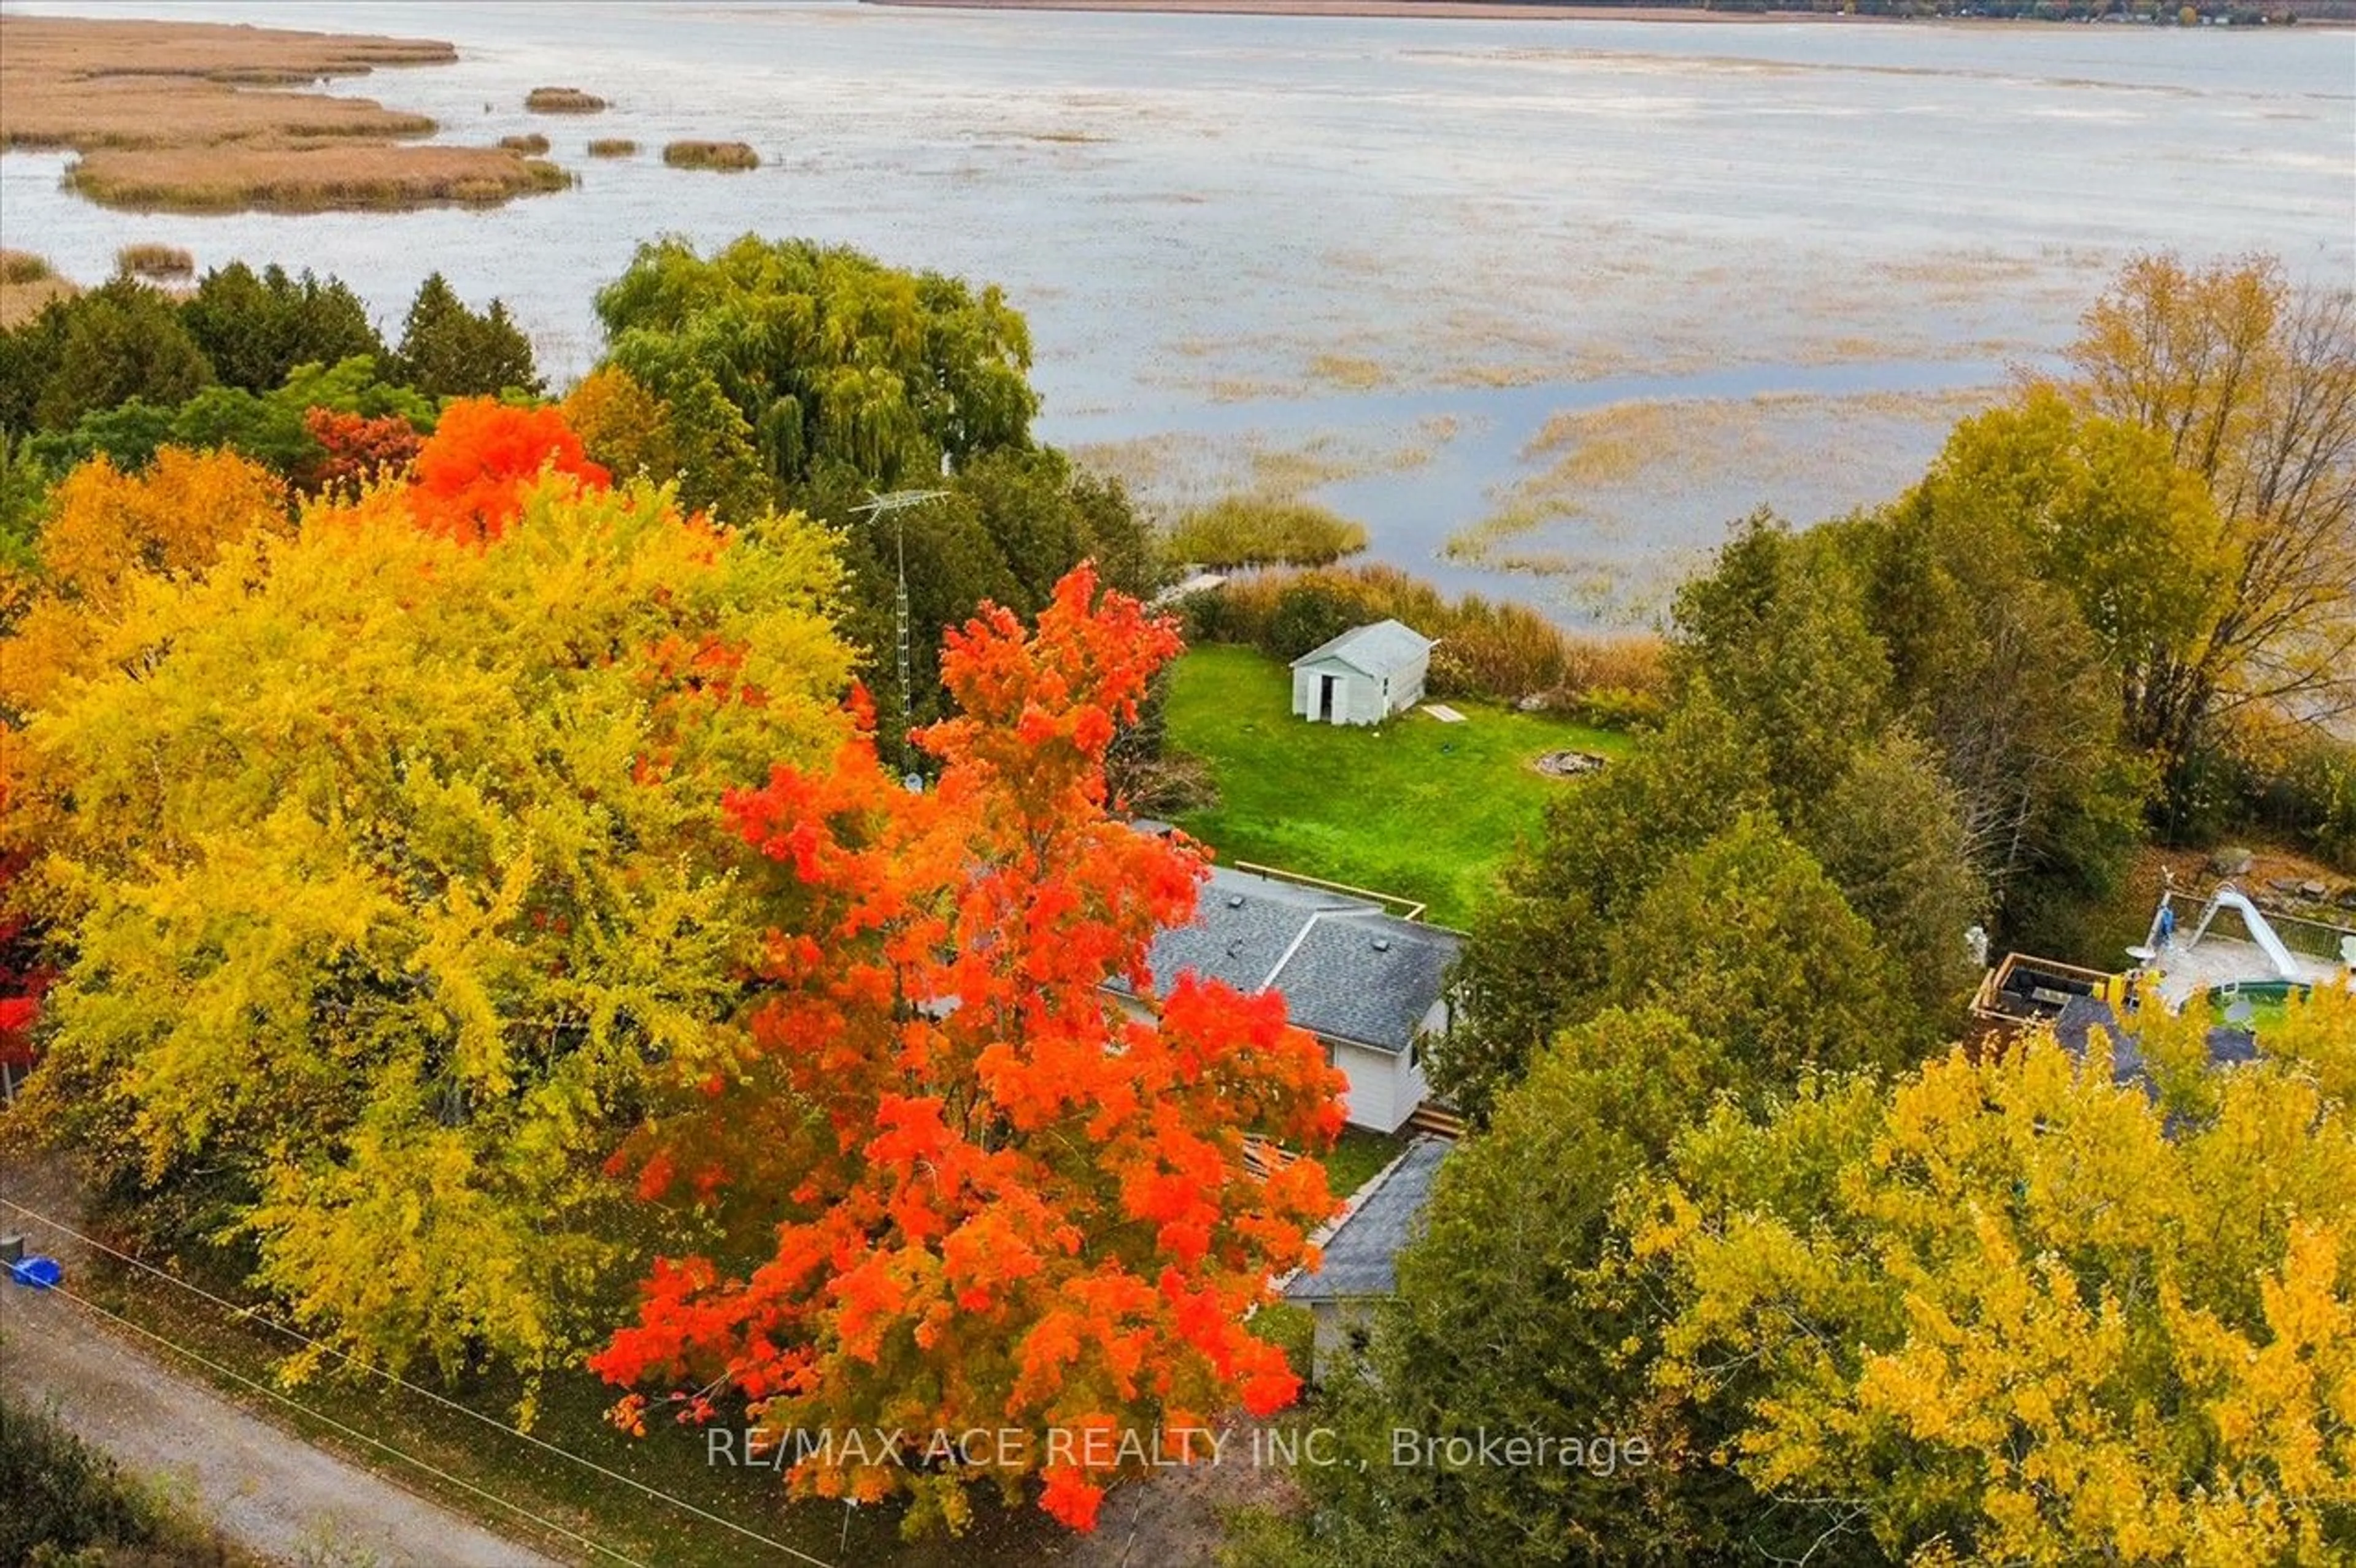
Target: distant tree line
(779, 375)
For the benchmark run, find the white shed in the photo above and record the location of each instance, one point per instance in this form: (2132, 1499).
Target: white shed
(1362, 676)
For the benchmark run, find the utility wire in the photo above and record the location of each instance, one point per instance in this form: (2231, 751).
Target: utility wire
(547, 1524)
(255, 1314)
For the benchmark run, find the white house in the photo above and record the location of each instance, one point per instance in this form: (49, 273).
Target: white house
(1362, 676)
(1369, 985)
(1359, 1258)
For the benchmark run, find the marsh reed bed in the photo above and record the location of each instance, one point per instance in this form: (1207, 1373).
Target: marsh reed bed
(726, 156)
(166, 118)
(562, 101)
(161, 263)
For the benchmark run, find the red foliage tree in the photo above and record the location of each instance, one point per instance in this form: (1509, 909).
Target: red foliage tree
(472, 473)
(969, 1189)
(356, 450)
(23, 975)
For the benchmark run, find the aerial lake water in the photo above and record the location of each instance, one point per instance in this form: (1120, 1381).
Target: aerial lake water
(1568, 294)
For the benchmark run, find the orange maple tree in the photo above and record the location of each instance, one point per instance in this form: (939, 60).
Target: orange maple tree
(471, 473)
(969, 1191)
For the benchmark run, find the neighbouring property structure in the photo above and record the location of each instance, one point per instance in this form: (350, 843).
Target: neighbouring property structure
(1362, 676)
(2222, 954)
(1359, 1261)
(1372, 986)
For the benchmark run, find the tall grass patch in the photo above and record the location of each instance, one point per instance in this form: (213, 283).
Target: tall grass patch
(1507, 652)
(162, 263)
(1259, 530)
(723, 155)
(27, 285)
(342, 178)
(68, 1503)
(562, 101)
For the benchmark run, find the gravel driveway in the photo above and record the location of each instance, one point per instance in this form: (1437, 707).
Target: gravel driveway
(266, 1488)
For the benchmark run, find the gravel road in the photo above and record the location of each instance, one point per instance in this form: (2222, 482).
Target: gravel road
(266, 1488)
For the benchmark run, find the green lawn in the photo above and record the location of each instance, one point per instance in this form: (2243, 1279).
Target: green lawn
(1355, 1159)
(1414, 807)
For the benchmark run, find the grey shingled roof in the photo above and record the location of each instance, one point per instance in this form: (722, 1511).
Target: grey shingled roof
(1339, 982)
(2082, 1016)
(1361, 1257)
(1380, 649)
(1317, 949)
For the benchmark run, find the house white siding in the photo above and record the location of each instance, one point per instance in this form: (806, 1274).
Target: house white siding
(1384, 1090)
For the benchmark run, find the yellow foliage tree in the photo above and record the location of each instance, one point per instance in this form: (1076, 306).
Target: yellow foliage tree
(2249, 382)
(2013, 1310)
(107, 530)
(394, 872)
(622, 425)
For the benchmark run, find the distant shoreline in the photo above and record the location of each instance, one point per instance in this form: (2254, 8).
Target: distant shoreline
(1445, 10)
(1474, 10)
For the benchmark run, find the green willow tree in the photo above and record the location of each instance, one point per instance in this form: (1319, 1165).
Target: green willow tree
(841, 366)
(795, 373)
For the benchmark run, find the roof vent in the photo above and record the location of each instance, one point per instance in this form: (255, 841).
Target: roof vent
(1236, 948)
(1382, 944)
(1235, 901)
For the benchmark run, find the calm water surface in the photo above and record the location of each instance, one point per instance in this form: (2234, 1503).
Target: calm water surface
(1372, 258)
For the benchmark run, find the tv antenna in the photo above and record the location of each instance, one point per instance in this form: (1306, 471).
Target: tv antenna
(894, 502)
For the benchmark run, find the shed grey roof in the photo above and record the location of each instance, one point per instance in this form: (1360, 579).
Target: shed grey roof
(1361, 1257)
(1383, 648)
(1345, 968)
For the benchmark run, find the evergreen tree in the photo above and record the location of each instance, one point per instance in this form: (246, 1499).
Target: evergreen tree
(255, 328)
(111, 344)
(450, 351)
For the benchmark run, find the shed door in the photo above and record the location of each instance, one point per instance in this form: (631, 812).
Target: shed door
(1326, 687)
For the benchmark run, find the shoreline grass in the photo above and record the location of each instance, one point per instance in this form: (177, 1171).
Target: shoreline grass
(562, 101)
(726, 157)
(27, 285)
(24, 267)
(1412, 806)
(531, 145)
(613, 148)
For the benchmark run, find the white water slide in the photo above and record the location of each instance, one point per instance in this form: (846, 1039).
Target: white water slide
(2228, 896)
